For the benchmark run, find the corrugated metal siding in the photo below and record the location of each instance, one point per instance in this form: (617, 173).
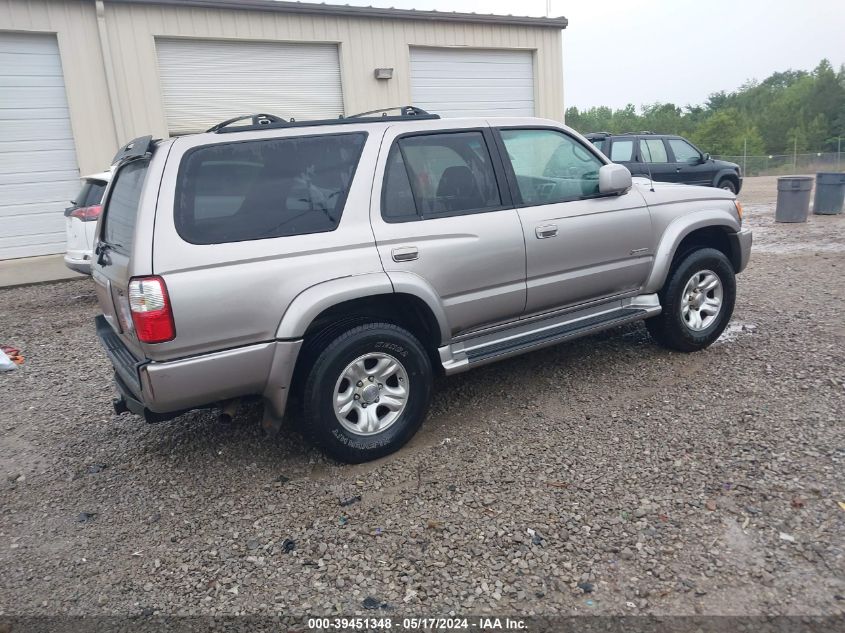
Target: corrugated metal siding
(38, 171)
(460, 82)
(204, 82)
(364, 44)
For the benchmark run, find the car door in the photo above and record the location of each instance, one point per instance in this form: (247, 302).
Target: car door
(445, 220)
(580, 245)
(690, 166)
(654, 159)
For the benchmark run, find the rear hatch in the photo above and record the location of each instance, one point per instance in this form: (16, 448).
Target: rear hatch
(123, 243)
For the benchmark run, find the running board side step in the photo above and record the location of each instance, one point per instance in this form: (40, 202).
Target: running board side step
(524, 337)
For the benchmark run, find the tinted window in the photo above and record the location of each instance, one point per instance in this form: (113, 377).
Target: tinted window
(622, 151)
(653, 150)
(398, 201)
(268, 188)
(90, 194)
(96, 189)
(122, 208)
(550, 166)
(683, 151)
(446, 174)
(599, 143)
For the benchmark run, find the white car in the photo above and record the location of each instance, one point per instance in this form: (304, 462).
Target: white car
(82, 218)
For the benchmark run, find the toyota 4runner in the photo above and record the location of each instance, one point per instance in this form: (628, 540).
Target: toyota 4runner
(345, 262)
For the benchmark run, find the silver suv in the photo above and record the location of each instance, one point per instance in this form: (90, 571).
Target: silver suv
(345, 262)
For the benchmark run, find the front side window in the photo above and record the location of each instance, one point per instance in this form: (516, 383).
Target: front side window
(551, 166)
(252, 190)
(122, 207)
(683, 151)
(622, 151)
(652, 150)
(439, 175)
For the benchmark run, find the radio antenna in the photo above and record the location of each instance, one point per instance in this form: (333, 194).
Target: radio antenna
(648, 165)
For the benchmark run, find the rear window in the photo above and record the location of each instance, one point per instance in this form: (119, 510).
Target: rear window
(90, 194)
(267, 188)
(122, 207)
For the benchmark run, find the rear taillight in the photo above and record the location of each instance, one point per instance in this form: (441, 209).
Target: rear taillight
(151, 312)
(87, 214)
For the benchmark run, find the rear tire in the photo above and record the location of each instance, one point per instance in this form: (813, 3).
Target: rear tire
(698, 301)
(367, 392)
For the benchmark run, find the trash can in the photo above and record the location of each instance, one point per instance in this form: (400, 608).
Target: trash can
(830, 193)
(793, 198)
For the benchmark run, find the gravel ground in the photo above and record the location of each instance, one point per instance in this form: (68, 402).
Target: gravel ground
(605, 476)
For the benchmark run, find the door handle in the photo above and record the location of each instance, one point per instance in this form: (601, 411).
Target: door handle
(542, 232)
(405, 254)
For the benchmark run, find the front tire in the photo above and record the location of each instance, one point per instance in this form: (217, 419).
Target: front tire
(728, 185)
(698, 301)
(367, 392)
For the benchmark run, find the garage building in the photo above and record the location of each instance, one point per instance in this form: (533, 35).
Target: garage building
(80, 77)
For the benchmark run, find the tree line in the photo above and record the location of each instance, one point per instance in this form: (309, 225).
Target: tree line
(794, 110)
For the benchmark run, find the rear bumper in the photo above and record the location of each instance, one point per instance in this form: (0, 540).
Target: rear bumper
(159, 390)
(79, 261)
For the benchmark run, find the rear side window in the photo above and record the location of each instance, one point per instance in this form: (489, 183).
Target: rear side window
(267, 188)
(439, 175)
(122, 207)
(90, 194)
(622, 151)
(653, 150)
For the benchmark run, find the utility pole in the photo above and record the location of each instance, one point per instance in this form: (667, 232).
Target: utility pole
(838, 151)
(795, 154)
(745, 157)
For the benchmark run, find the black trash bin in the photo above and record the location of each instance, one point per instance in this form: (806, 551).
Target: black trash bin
(830, 193)
(793, 198)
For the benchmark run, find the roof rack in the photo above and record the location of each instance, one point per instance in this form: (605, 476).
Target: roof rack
(258, 120)
(269, 121)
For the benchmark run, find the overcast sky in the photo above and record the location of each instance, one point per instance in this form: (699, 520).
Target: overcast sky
(621, 51)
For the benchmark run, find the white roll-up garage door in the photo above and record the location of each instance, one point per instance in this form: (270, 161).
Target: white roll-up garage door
(455, 82)
(38, 169)
(205, 82)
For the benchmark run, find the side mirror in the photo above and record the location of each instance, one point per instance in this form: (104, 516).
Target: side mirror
(614, 178)
(705, 158)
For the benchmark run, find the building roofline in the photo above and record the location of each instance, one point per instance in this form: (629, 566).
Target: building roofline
(285, 6)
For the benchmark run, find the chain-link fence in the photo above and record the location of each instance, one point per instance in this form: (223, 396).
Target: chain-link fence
(782, 164)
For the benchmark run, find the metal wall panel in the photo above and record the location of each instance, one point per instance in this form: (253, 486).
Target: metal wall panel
(364, 45)
(204, 82)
